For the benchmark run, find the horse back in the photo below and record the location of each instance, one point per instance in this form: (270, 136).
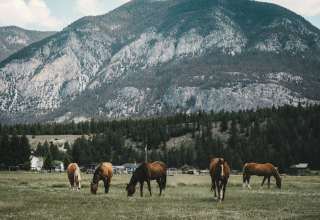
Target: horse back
(72, 168)
(105, 169)
(156, 169)
(259, 169)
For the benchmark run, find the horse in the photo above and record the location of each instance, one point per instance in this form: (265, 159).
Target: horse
(102, 172)
(219, 172)
(73, 172)
(145, 173)
(266, 170)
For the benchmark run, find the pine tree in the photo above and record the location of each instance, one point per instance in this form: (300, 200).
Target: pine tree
(47, 164)
(25, 152)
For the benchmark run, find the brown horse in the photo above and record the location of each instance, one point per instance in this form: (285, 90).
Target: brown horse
(219, 172)
(103, 172)
(145, 173)
(74, 176)
(266, 170)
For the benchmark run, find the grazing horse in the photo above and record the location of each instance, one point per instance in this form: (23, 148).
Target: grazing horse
(266, 170)
(74, 176)
(147, 172)
(219, 172)
(103, 172)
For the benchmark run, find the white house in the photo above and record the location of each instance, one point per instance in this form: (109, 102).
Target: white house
(36, 163)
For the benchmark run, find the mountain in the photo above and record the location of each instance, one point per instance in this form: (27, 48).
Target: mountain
(151, 57)
(13, 38)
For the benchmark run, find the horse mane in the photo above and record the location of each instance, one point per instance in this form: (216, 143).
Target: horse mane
(276, 176)
(96, 175)
(244, 169)
(137, 172)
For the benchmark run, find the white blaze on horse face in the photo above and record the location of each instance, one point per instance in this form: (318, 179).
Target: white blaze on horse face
(221, 193)
(222, 170)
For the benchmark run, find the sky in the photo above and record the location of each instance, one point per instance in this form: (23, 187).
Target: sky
(53, 15)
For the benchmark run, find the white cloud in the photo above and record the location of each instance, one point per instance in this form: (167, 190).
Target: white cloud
(31, 13)
(95, 7)
(302, 7)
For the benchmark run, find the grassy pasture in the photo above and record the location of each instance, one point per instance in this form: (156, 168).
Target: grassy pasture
(26, 195)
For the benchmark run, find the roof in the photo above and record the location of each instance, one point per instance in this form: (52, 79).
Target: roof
(130, 165)
(300, 166)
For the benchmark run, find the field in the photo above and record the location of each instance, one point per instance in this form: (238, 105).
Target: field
(26, 195)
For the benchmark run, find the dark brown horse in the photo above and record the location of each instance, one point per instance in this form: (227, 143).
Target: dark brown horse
(74, 176)
(219, 172)
(145, 173)
(103, 172)
(266, 170)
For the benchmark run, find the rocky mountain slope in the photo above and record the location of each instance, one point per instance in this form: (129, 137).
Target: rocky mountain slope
(13, 38)
(152, 57)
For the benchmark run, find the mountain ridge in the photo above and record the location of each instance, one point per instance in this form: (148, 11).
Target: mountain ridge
(189, 53)
(14, 38)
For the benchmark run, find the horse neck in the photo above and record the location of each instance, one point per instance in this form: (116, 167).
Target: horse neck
(218, 171)
(133, 180)
(96, 177)
(276, 175)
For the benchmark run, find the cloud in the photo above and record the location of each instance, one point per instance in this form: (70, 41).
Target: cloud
(96, 7)
(302, 7)
(28, 14)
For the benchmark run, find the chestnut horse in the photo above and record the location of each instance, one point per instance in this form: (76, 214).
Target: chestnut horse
(103, 172)
(219, 172)
(266, 170)
(74, 177)
(145, 173)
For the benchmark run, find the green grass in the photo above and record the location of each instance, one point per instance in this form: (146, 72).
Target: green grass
(25, 195)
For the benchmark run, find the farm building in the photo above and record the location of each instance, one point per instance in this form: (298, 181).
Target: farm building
(36, 163)
(57, 166)
(299, 169)
(119, 170)
(130, 167)
(172, 171)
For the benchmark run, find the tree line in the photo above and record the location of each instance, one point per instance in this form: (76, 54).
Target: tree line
(284, 136)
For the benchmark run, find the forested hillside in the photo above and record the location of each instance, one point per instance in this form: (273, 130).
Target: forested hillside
(283, 136)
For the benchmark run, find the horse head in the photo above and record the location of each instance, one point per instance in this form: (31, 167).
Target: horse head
(220, 167)
(131, 189)
(278, 182)
(94, 187)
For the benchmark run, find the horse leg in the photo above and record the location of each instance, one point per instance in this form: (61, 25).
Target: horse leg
(215, 189)
(160, 187)
(141, 188)
(218, 189)
(221, 191)
(244, 180)
(106, 185)
(149, 187)
(264, 179)
(248, 181)
(268, 182)
(71, 181)
(224, 189)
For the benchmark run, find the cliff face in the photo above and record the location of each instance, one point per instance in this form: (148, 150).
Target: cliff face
(159, 57)
(12, 39)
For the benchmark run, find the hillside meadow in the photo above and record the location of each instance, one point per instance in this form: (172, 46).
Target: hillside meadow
(26, 195)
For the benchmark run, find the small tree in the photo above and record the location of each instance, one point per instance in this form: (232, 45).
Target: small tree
(48, 161)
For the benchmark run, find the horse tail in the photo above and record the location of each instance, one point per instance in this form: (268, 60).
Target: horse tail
(276, 176)
(244, 172)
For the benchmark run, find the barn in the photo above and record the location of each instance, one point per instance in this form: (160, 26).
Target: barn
(299, 169)
(36, 163)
